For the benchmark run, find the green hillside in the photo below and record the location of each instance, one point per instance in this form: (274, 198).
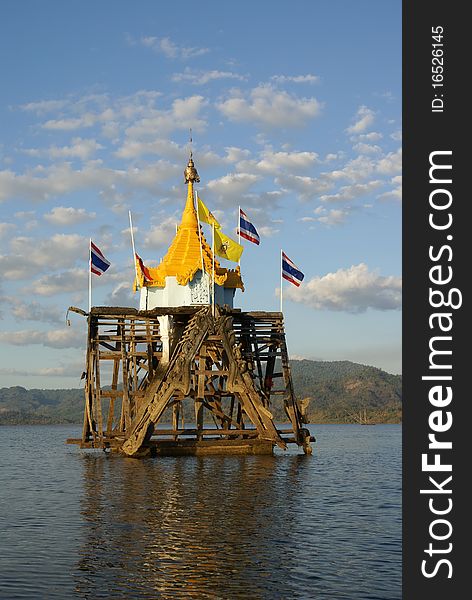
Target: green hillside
(339, 392)
(343, 391)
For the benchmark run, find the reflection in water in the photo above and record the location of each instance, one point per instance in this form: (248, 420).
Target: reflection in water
(191, 527)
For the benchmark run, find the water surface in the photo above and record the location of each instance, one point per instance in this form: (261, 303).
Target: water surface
(84, 524)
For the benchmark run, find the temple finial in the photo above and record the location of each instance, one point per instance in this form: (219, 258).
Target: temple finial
(190, 173)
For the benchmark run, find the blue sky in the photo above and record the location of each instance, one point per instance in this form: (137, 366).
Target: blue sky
(295, 109)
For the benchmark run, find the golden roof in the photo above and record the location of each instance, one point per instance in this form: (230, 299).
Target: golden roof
(184, 258)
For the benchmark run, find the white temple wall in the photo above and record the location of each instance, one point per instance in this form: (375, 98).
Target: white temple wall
(196, 292)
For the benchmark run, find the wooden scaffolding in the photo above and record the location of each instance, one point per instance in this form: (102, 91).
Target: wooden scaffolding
(202, 384)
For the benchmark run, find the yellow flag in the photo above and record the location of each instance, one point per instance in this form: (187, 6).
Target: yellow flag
(226, 247)
(205, 215)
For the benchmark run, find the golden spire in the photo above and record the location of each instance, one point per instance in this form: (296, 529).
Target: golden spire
(184, 257)
(189, 216)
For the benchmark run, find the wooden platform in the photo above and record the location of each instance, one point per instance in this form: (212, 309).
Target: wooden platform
(224, 368)
(209, 447)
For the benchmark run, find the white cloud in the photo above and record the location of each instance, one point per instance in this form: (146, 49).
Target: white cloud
(307, 188)
(267, 230)
(150, 177)
(24, 214)
(170, 49)
(58, 180)
(295, 78)
(79, 148)
(271, 108)
(122, 295)
(44, 183)
(272, 162)
(134, 148)
(59, 338)
(331, 156)
(161, 234)
(349, 192)
(262, 202)
(170, 150)
(71, 280)
(94, 109)
(365, 117)
(359, 168)
(34, 311)
(14, 267)
(235, 155)
(61, 215)
(204, 77)
(84, 121)
(183, 115)
(364, 148)
(372, 136)
(231, 186)
(351, 290)
(396, 192)
(391, 164)
(31, 256)
(73, 369)
(60, 250)
(5, 228)
(44, 106)
(332, 217)
(364, 174)
(397, 136)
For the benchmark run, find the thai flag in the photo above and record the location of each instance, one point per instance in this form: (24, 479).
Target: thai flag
(144, 270)
(290, 271)
(98, 263)
(246, 228)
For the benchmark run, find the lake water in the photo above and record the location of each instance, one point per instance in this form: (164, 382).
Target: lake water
(84, 524)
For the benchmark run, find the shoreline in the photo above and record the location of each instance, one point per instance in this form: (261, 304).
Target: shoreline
(318, 422)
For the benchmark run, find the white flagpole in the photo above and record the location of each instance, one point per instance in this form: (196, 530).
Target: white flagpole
(90, 274)
(213, 252)
(281, 280)
(195, 202)
(134, 249)
(239, 231)
(200, 238)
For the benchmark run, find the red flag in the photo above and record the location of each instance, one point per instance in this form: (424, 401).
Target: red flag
(144, 270)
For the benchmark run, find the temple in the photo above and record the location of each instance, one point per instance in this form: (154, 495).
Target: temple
(188, 372)
(183, 278)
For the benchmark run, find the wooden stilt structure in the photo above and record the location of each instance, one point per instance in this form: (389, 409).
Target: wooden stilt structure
(222, 369)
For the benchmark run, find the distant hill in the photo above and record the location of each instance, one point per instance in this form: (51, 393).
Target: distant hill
(21, 406)
(346, 392)
(334, 392)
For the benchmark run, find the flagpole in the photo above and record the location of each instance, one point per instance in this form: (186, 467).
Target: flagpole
(90, 274)
(134, 249)
(195, 196)
(213, 252)
(281, 281)
(239, 231)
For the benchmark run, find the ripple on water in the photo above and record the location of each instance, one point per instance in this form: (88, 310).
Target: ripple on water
(90, 525)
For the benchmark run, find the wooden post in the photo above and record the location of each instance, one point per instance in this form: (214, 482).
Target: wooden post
(98, 390)
(124, 368)
(175, 418)
(200, 397)
(114, 387)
